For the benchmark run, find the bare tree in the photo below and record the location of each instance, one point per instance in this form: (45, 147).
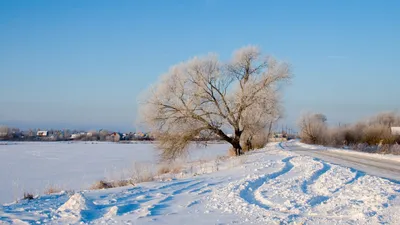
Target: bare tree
(313, 128)
(387, 119)
(205, 96)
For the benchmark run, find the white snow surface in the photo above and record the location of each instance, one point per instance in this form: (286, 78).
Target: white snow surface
(267, 186)
(390, 157)
(33, 167)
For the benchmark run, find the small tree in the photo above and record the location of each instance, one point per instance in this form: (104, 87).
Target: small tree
(313, 128)
(387, 119)
(204, 96)
(103, 134)
(4, 132)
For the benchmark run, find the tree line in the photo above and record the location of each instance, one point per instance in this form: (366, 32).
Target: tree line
(372, 135)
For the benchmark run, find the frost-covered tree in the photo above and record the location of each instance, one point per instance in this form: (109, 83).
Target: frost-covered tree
(312, 128)
(204, 96)
(4, 131)
(387, 119)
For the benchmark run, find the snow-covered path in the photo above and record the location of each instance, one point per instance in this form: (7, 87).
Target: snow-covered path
(269, 186)
(374, 164)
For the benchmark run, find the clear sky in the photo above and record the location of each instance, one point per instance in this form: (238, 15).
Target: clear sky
(83, 63)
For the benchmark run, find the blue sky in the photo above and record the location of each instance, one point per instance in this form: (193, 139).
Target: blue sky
(83, 63)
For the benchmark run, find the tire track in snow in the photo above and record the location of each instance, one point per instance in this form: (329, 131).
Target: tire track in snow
(316, 200)
(205, 187)
(358, 175)
(317, 174)
(158, 208)
(247, 194)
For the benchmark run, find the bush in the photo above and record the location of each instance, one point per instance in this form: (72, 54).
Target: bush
(313, 129)
(28, 196)
(102, 185)
(52, 190)
(142, 173)
(173, 169)
(373, 135)
(377, 134)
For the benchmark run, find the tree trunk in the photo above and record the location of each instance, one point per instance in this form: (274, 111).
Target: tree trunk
(236, 142)
(269, 131)
(236, 145)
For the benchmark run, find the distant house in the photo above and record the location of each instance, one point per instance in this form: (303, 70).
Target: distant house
(395, 130)
(3, 134)
(42, 133)
(75, 136)
(116, 137)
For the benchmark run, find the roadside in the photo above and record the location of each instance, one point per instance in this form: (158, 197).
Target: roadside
(379, 166)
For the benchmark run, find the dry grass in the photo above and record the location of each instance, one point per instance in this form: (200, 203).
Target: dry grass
(231, 152)
(169, 169)
(163, 170)
(176, 169)
(102, 185)
(52, 190)
(121, 183)
(142, 172)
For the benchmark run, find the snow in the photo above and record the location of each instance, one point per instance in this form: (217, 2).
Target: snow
(35, 166)
(391, 157)
(267, 186)
(386, 166)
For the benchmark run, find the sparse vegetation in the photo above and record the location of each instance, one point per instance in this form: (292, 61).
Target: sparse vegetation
(372, 135)
(167, 168)
(52, 190)
(142, 172)
(102, 184)
(28, 196)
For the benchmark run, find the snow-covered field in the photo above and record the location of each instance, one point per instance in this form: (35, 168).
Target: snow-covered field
(268, 186)
(34, 167)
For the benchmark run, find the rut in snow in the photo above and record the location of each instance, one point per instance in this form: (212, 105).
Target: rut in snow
(317, 174)
(248, 193)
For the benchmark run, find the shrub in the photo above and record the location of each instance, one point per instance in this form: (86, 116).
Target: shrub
(142, 173)
(376, 134)
(163, 170)
(28, 196)
(173, 169)
(52, 190)
(373, 135)
(102, 185)
(313, 128)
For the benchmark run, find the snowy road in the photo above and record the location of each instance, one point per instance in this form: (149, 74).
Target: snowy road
(382, 167)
